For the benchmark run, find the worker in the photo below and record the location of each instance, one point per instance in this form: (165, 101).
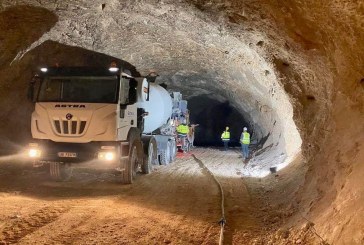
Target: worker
(191, 134)
(225, 136)
(245, 141)
(182, 131)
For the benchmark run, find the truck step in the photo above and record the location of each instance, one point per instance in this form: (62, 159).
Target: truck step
(125, 157)
(124, 143)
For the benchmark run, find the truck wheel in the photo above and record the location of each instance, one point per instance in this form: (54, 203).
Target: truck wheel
(173, 150)
(165, 156)
(150, 156)
(60, 171)
(131, 164)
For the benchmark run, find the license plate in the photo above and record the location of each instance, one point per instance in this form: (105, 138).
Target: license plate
(67, 154)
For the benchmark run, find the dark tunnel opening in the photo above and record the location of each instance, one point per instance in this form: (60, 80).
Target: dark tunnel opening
(213, 116)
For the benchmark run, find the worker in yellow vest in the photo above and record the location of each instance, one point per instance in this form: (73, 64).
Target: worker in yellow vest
(245, 141)
(225, 136)
(182, 131)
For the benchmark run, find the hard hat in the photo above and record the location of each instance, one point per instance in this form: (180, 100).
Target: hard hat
(184, 121)
(245, 129)
(227, 128)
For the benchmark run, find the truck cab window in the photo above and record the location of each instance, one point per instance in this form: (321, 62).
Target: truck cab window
(79, 89)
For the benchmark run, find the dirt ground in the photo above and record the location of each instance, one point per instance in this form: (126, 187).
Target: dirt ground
(176, 204)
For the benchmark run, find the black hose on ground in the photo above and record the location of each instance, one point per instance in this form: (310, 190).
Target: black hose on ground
(222, 221)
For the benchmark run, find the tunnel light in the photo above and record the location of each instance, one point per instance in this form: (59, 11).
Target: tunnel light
(113, 69)
(44, 69)
(109, 156)
(34, 153)
(106, 156)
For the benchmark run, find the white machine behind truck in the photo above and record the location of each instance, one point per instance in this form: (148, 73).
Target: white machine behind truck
(102, 117)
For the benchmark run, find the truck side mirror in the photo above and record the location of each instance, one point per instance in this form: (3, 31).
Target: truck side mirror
(122, 110)
(31, 88)
(151, 77)
(148, 91)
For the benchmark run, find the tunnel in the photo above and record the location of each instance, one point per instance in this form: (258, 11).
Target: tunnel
(291, 72)
(213, 116)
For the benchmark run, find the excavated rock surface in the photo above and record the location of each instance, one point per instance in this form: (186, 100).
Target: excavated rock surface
(292, 68)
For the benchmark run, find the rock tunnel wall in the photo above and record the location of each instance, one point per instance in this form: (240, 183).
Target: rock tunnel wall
(294, 68)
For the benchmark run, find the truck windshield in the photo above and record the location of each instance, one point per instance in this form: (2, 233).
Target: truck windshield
(79, 89)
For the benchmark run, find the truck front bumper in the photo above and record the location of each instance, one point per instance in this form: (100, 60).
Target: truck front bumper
(103, 154)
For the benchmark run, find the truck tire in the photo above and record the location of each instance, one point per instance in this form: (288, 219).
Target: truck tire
(131, 164)
(165, 156)
(60, 171)
(173, 151)
(150, 156)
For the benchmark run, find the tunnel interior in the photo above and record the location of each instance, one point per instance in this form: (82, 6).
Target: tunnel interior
(208, 104)
(211, 111)
(213, 116)
(283, 68)
(255, 97)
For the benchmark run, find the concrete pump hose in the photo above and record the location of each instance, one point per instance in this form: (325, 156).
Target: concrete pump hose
(222, 221)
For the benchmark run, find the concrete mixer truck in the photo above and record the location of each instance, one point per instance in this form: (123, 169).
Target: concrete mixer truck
(101, 118)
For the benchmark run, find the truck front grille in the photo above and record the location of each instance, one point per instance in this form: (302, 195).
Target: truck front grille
(69, 127)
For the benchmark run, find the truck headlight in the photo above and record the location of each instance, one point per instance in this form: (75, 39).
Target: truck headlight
(106, 155)
(109, 156)
(34, 153)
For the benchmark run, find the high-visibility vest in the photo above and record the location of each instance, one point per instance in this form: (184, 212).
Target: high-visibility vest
(246, 138)
(225, 135)
(182, 129)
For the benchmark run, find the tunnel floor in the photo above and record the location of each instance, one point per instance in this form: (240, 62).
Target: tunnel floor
(176, 204)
